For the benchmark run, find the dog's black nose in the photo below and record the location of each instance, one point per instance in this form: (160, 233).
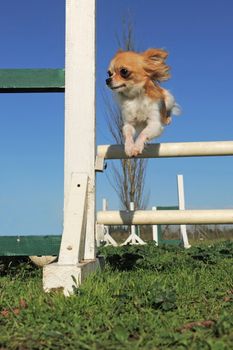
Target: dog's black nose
(108, 81)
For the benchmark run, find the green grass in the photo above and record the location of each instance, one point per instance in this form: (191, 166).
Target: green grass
(146, 298)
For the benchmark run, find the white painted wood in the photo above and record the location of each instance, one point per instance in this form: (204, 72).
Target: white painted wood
(181, 201)
(75, 220)
(105, 204)
(99, 164)
(78, 239)
(80, 106)
(101, 230)
(133, 228)
(67, 277)
(133, 240)
(180, 188)
(133, 237)
(173, 217)
(155, 231)
(99, 234)
(107, 237)
(178, 149)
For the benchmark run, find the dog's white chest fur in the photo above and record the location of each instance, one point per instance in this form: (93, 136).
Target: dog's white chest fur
(142, 119)
(139, 110)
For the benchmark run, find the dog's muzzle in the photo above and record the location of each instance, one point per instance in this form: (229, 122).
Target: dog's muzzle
(109, 81)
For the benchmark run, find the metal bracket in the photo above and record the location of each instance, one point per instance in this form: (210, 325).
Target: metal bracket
(100, 164)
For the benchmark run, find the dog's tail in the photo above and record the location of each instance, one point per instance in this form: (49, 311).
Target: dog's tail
(176, 109)
(171, 105)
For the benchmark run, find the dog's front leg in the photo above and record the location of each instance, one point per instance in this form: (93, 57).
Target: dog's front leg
(129, 132)
(153, 129)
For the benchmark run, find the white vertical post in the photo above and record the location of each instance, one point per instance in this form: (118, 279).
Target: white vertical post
(181, 201)
(105, 207)
(78, 239)
(105, 204)
(80, 106)
(133, 228)
(155, 230)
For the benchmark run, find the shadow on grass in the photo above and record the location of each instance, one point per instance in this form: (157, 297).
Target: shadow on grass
(124, 262)
(15, 265)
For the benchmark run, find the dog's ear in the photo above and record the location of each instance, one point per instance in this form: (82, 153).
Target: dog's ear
(155, 54)
(154, 64)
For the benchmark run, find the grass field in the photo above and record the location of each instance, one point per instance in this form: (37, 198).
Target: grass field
(146, 298)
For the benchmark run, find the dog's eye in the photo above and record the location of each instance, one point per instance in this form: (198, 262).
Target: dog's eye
(124, 73)
(110, 73)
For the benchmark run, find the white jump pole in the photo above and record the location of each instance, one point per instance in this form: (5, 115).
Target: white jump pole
(77, 252)
(169, 217)
(165, 150)
(181, 201)
(107, 237)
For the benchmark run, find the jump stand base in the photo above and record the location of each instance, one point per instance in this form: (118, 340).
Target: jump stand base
(67, 277)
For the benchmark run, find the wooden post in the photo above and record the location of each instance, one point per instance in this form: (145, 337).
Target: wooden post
(77, 252)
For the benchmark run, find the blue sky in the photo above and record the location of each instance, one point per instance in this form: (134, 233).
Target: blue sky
(198, 35)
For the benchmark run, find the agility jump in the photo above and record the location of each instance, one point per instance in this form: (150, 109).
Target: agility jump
(77, 255)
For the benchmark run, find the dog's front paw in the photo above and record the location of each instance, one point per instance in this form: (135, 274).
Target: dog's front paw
(138, 148)
(129, 149)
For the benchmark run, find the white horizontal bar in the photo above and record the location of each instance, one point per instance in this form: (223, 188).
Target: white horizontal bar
(177, 149)
(173, 217)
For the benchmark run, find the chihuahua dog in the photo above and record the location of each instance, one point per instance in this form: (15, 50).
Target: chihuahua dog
(146, 107)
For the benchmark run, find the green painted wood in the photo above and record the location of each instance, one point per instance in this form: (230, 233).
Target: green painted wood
(29, 245)
(174, 207)
(32, 80)
(161, 240)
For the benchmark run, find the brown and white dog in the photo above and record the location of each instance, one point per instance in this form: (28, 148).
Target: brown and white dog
(146, 107)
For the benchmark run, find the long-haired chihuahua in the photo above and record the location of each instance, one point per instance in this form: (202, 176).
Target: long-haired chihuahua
(146, 107)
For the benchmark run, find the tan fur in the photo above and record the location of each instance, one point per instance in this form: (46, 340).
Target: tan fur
(156, 93)
(145, 106)
(147, 68)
